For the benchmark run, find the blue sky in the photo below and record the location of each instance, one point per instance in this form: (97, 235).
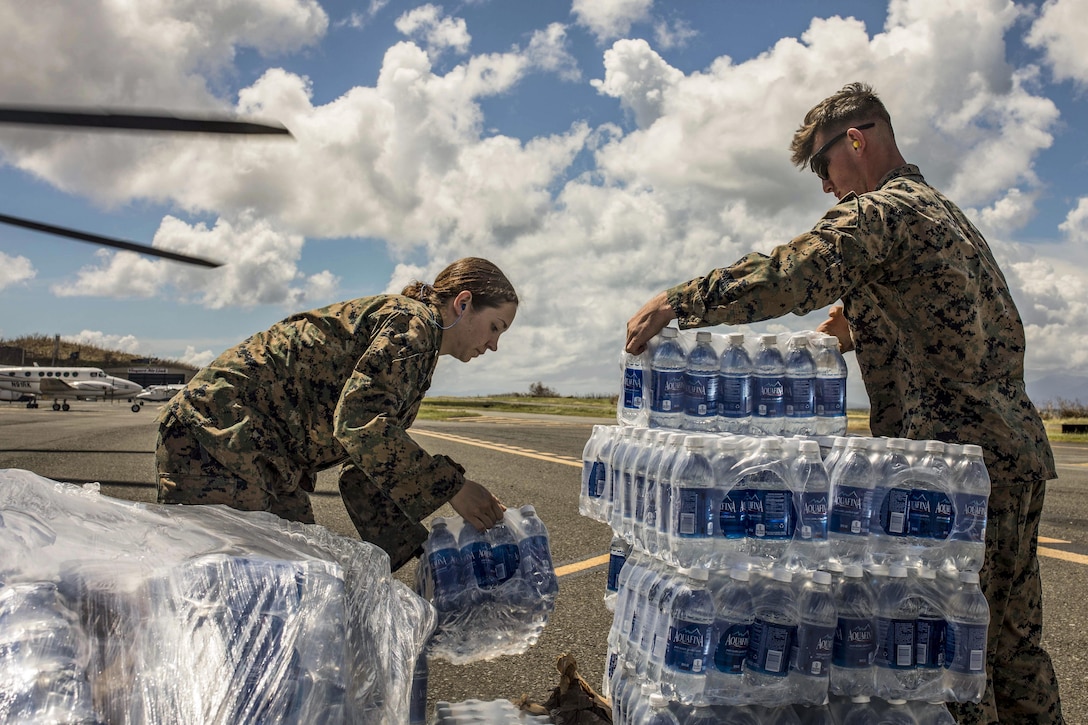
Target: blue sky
(597, 150)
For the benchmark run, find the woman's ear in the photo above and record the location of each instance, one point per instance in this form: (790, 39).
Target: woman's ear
(461, 302)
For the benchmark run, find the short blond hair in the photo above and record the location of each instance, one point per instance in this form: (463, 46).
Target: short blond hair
(855, 102)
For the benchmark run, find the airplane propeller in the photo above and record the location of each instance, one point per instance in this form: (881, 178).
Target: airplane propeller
(126, 122)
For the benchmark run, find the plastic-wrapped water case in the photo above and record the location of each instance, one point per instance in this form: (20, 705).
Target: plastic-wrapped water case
(493, 590)
(121, 612)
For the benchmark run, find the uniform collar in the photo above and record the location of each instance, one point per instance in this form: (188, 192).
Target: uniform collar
(906, 170)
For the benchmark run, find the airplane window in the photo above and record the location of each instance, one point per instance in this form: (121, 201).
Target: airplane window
(66, 375)
(75, 375)
(26, 374)
(41, 375)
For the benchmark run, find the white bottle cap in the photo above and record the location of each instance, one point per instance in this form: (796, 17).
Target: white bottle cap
(972, 450)
(702, 336)
(782, 575)
(694, 442)
(934, 447)
(897, 572)
(969, 577)
(821, 577)
(740, 574)
(809, 446)
(736, 338)
(769, 339)
(854, 571)
(670, 332)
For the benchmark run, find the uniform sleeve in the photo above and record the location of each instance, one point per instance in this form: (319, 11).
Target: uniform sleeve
(376, 406)
(812, 271)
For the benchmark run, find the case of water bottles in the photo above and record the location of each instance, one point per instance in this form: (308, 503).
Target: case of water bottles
(478, 712)
(493, 590)
(121, 612)
(791, 384)
(748, 571)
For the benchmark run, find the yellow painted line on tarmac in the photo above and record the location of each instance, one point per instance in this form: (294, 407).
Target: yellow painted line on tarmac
(582, 565)
(1063, 555)
(1048, 540)
(513, 450)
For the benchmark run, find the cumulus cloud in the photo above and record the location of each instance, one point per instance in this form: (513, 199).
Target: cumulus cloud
(673, 35)
(15, 270)
(1061, 32)
(121, 343)
(196, 359)
(608, 19)
(262, 270)
(438, 33)
(548, 52)
(1075, 225)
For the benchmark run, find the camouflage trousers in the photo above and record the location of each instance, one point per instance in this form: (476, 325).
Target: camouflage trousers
(189, 474)
(1021, 686)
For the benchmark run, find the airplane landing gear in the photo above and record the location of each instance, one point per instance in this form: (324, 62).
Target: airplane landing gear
(135, 408)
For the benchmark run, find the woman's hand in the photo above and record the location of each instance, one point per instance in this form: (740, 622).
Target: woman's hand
(477, 506)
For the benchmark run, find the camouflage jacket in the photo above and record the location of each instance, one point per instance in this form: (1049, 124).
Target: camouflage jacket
(339, 384)
(938, 338)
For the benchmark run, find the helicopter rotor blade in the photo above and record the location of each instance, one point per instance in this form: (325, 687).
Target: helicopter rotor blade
(134, 121)
(106, 241)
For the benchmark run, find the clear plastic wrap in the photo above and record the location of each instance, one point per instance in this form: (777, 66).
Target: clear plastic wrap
(120, 612)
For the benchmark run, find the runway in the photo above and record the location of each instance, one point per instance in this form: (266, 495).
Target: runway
(531, 459)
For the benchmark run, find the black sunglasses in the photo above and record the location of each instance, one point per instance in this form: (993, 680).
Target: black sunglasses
(818, 162)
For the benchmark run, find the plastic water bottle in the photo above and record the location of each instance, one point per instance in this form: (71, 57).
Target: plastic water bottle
(657, 712)
(830, 394)
(735, 387)
(897, 712)
(814, 714)
(594, 472)
(616, 455)
(632, 403)
(929, 637)
(536, 554)
(701, 386)
(838, 447)
(774, 635)
(447, 570)
(770, 511)
(932, 713)
(733, 616)
(851, 504)
(768, 387)
(623, 501)
(972, 494)
(891, 502)
(652, 659)
(635, 497)
(896, 625)
(728, 504)
(667, 366)
(965, 642)
(810, 549)
(860, 711)
(692, 526)
(811, 666)
(505, 552)
(417, 708)
(478, 559)
(617, 557)
(800, 388)
(855, 635)
(688, 650)
(661, 545)
(932, 514)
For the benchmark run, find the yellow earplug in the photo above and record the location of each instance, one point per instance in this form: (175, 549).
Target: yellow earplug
(857, 145)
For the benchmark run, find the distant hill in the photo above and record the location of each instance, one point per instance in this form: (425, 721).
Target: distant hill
(1058, 386)
(31, 349)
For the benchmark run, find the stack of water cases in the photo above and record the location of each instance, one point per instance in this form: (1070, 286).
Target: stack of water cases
(493, 590)
(116, 612)
(838, 575)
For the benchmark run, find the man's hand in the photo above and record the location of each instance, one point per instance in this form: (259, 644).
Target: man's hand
(477, 506)
(836, 324)
(647, 322)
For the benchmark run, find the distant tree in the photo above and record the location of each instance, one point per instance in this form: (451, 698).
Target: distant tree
(540, 390)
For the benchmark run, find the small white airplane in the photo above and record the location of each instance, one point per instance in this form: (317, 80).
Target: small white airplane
(157, 393)
(61, 383)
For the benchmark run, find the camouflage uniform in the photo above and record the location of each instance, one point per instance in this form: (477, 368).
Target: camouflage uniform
(337, 385)
(941, 348)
